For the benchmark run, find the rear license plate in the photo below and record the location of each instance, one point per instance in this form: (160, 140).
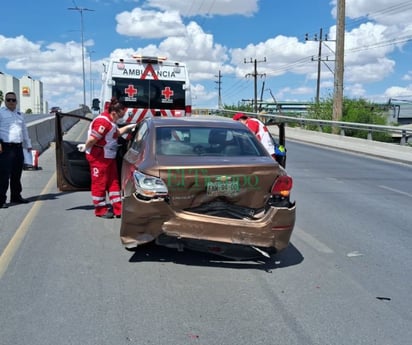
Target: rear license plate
(224, 188)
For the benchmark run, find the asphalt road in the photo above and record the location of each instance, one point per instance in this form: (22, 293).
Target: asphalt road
(345, 279)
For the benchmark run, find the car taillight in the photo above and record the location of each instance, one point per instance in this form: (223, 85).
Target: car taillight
(149, 187)
(282, 186)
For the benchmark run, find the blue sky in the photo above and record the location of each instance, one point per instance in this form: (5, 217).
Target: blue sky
(42, 39)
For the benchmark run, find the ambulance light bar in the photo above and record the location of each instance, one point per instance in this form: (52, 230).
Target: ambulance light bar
(149, 59)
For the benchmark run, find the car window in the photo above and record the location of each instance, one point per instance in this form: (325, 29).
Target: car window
(192, 141)
(141, 134)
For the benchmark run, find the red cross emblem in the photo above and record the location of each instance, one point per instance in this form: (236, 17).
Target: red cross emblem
(167, 92)
(130, 90)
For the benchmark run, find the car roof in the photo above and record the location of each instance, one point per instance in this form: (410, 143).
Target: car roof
(196, 120)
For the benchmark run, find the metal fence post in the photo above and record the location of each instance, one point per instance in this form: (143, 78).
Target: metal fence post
(403, 138)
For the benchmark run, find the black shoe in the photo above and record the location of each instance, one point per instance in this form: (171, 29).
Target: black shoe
(19, 200)
(28, 167)
(118, 216)
(107, 215)
(4, 205)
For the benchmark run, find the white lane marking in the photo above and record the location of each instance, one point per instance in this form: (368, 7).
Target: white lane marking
(21, 232)
(396, 191)
(354, 254)
(334, 179)
(312, 241)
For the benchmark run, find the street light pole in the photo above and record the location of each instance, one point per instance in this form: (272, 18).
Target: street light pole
(81, 9)
(90, 72)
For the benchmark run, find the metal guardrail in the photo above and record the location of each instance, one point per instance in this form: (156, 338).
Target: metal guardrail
(395, 131)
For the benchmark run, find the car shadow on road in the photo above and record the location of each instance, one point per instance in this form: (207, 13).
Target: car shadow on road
(81, 207)
(55, 196)
(153, 253)
(48, 196)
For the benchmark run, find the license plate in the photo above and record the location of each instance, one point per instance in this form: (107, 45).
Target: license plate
(224, 188)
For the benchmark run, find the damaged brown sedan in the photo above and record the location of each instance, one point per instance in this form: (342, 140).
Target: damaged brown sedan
(204, 183)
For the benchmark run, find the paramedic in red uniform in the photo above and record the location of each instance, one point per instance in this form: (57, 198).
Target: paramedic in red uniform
(259, 129)
(101, 148)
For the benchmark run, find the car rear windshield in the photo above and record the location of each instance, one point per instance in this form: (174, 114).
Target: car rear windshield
(192, 141)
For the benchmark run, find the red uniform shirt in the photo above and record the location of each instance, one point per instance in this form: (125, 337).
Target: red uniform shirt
(106, 132)
(262, 133)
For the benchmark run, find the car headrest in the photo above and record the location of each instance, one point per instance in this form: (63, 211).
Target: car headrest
(164, 134)
(217, 137)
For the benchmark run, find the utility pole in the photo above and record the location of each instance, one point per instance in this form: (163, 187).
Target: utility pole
(219, 84)
(255, 74)
(81, 9)
(261, 96)
(319, 59)
(339, 63)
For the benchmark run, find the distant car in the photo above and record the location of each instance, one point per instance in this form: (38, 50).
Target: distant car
(203, 183)
(55, 110)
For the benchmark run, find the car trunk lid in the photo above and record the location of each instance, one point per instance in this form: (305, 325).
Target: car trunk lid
(236, 182)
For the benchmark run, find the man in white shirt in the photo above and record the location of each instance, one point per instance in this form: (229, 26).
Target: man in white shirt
(14, 138)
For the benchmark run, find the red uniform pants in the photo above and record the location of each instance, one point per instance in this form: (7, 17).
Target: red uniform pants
(104, 180)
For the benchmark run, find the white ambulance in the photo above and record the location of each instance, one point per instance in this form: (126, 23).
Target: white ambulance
(149, 86)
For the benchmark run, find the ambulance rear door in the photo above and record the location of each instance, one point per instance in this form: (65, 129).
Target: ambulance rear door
(151, 97)
(151, 87)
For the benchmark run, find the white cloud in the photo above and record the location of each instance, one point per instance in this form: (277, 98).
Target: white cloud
(202, 93)
(386, 12)
(355, 90)
(207, 7)
(56, 65)
(397, 92)
(196, 48)
(150, 24)
(282, 54)
(12, 48)
(407, 76)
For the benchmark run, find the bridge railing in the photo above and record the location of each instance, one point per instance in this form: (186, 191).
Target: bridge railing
(403, 133)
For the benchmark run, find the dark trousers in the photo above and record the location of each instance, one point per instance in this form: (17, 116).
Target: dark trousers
(11, 168)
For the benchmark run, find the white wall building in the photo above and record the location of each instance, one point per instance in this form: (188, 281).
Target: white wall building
(29, 93)
(9, 83)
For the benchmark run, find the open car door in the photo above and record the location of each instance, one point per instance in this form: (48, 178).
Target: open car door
(72, 167)
(279, 140)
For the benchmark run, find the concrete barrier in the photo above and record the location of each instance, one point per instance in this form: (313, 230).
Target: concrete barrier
(42, 132)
